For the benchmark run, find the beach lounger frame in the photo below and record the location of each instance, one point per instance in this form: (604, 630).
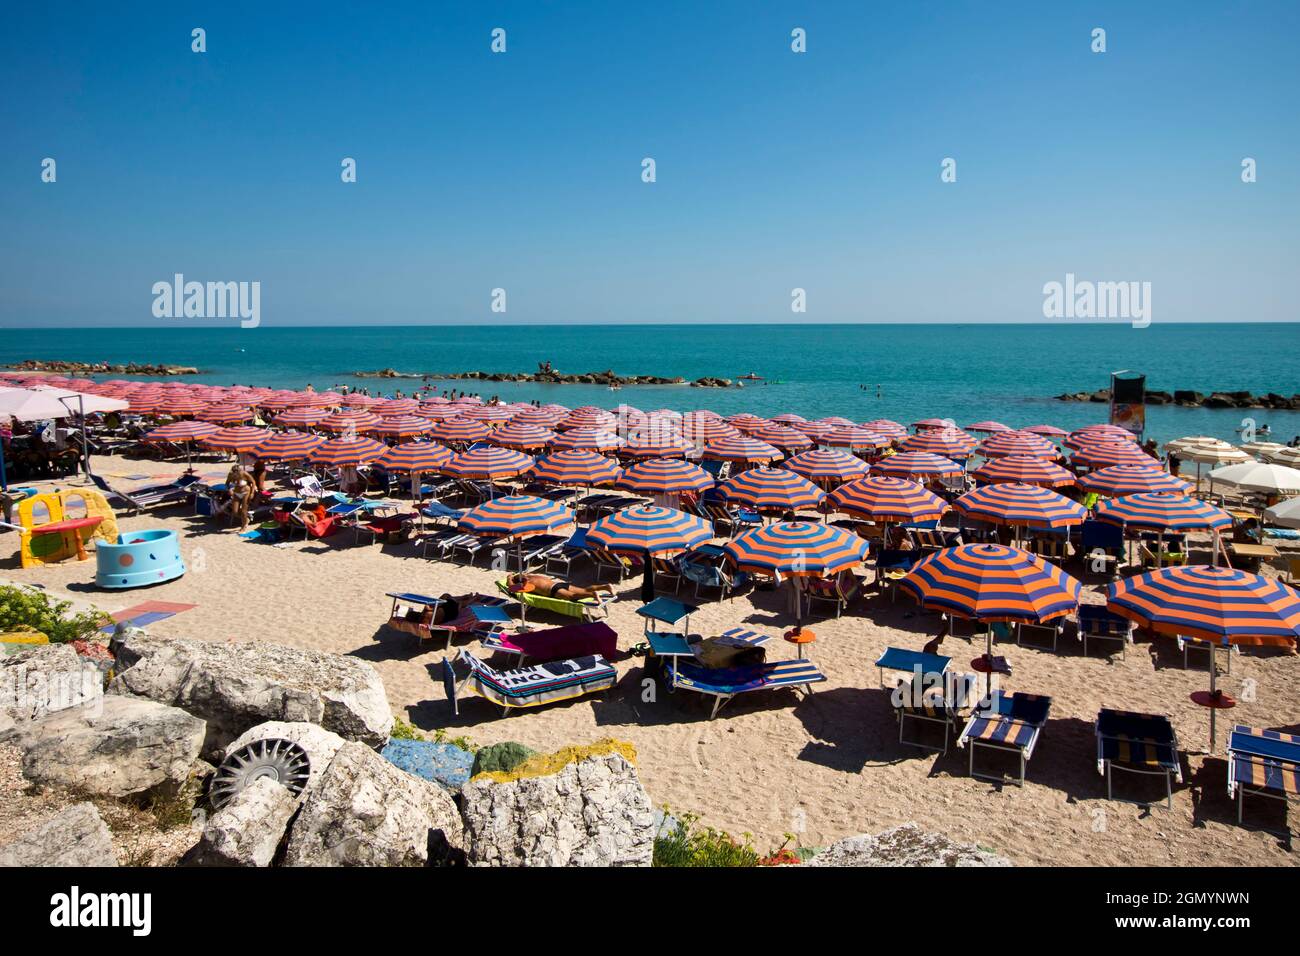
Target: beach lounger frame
(1094, 622)
(1152, 748)
(958, 695)
(724, 684)
(1053, 628)
(1008, 724)
(1187, 644)
(526, 686)
(1264, 763)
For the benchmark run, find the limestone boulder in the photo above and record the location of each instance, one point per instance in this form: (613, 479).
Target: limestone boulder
(906, 845)
(116, 747)
(582, 806)
(248, 830)
(366, 812)
(75, 837)
(235, 686)
(44, 679)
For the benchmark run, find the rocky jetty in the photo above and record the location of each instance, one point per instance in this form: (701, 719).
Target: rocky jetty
(548, 375)
(102, 368)
(1186, 398)
(907, 845)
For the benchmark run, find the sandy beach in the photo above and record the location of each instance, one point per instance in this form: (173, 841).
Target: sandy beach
(821, 767)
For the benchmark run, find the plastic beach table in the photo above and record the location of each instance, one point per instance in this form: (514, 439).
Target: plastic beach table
(72, 527)
(666, 610)
(902, 659)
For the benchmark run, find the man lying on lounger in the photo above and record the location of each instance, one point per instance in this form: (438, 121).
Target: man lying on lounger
(548, 586)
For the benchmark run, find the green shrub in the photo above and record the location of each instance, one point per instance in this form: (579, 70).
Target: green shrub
(464, 743)
(687, 845)
(25, 610)
(404, 731)
(502, 757)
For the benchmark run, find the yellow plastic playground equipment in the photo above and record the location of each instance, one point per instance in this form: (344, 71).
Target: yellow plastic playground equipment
(55, 526)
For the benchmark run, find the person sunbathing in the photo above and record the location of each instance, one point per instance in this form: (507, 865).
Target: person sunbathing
(548, 586)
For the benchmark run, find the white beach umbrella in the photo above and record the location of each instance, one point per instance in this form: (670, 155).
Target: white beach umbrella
(1259, 476)
(84, 403)
(1287, 456)
(1286, 514)
(1218, 454)
(1262, 449)
(29, 405)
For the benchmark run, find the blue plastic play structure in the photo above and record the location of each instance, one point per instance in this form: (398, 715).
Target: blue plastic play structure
(138, 558)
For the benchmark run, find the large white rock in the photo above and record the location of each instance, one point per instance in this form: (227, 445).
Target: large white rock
(366, 812)
(906, 845)
(235, 686)
(591, 811)
(75, 837)
(44, 679)
(115, 747)
(247, 830)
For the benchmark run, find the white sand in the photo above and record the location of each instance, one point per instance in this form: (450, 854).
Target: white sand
(823, 767)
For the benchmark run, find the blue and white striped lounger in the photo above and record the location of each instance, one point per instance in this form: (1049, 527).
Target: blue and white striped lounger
(725, 683)
(1006, 723)
(1263, 762)
(526, 686)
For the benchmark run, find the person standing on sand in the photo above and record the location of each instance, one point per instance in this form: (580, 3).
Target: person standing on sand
(239, 485)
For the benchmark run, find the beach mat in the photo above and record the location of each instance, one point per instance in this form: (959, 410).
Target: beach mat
(142, 615)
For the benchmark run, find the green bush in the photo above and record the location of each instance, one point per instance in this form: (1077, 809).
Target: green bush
(404, 731)
(687, 845)
(25, 610)
(503, 757)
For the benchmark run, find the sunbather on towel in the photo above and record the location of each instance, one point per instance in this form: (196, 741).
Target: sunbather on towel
(548, 586)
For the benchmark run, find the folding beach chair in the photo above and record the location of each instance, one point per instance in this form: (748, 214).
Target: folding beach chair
(1139, 744)
(1101, 541)
(892, 566)
(469, 545)
(1053, 629)
(725, 683)
(1264, 763)
(475, 616)
(309, 486)
(668, 571)
(438, 512)
(1054, 547)
(438, 539)
(562, 559)
(945, 698)
(711, 576)
(526, 686)
(1008, 723)
(526, 554)
(734, 520)
(838, 591)
(1098, 624)
(621, 565)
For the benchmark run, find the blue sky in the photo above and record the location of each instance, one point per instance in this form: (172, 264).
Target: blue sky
(522, 170)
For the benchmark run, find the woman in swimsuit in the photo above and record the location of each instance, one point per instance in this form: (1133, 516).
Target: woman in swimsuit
(239, 484)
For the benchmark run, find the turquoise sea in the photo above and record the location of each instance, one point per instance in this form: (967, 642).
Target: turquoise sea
(964, 372)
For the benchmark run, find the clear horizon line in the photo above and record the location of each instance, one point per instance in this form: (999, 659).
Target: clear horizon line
(209, 324)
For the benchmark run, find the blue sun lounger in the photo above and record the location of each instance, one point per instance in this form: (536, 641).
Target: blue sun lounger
(526, 686)
(1005, 723)
(1137, 743)
(913, 662)
(1265, 763)
(725, 683)
(940, 697)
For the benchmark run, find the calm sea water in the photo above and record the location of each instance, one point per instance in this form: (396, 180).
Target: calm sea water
(967, 373)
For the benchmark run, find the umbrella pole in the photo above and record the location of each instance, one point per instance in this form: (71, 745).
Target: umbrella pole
(1214, 667)
(647, 578)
